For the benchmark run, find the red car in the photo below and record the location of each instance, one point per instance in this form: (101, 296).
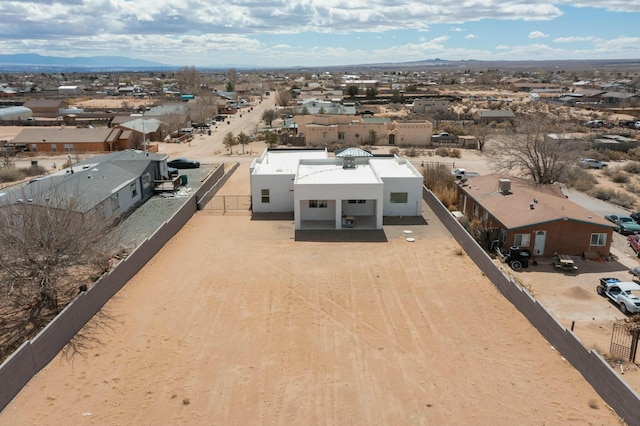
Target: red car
(634, 242)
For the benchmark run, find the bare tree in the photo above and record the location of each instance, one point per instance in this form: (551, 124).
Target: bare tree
(187, 79)
(51, 249)
(243, 139)
(7, 153)
(269, 115)
(229, 140)
(532, 152)
(481, 133)
(232, 80)
(270, 138)
(283, 97)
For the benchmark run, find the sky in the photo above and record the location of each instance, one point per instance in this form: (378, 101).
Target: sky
(288, 33)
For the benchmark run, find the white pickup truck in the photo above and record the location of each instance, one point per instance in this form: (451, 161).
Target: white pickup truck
(462, 173)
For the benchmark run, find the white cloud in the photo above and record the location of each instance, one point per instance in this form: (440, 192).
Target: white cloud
(573, 39)
(243, 31)
(537, 34)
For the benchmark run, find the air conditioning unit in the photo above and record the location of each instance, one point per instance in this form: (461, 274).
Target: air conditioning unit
(349, 163)
(504, 186)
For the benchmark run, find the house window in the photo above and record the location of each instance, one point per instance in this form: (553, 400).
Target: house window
(264, 193)
(317, 204)
(521, 240)
(68, 147)
(34, 147)
(54, 147)
(598, 240)
(134, 189)
(399, 197)
(503, 235)
(475, 209)
(485, 216)
(357, 201)
(341, 135)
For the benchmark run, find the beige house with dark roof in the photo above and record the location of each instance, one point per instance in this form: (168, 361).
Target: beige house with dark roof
(540, 218)
(46, 107)
(325, 130)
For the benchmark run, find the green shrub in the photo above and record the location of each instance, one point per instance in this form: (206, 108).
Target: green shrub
(632, 167)
(442, 152)
(580, 179)
(616, 197)
(620, 177)
(604, 194)
(33, 170)
(395, 151)
(10, 174)
(633, 188)
(413, 152)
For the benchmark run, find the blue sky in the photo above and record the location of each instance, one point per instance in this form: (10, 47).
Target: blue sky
(274, 33)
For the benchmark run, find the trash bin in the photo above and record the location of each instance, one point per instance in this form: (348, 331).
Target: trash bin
(34, 163)
(524, 258)
(514, 252)
(183, 179)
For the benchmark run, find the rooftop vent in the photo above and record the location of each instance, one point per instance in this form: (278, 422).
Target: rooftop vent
(349, 163)
(504, 186)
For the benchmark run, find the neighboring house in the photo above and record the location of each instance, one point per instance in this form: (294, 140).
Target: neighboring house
(612, 99)
(15, 113)
(56, 140)
(8, 92)
(420, 106)
(149, 129)
(70, 90)
(46, 107)
(332, 192)
(517, 212)
(615, 143)
(490, 115)
(325, 130)
(109, 184)
(172, 116)
(331, 107)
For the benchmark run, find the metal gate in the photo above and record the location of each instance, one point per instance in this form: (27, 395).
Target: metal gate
(624, 342)
(228, 203)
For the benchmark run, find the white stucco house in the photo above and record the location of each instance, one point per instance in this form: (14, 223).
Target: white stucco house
(334, 192)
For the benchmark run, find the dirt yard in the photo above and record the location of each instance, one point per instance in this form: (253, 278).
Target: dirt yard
(234, 322)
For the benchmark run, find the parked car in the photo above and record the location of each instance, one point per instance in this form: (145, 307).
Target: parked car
(173, 172)
(626, 224)
(622, 293)
(635, 216)
(634, 243)
(463, 173)
(593, 123)
(183, 163)
(590, 163)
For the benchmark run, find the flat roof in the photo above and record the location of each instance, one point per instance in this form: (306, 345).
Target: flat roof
(285, 161)
(333, 173)
(390, 167)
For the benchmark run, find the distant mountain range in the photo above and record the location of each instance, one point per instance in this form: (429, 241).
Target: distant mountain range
(31, 62)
